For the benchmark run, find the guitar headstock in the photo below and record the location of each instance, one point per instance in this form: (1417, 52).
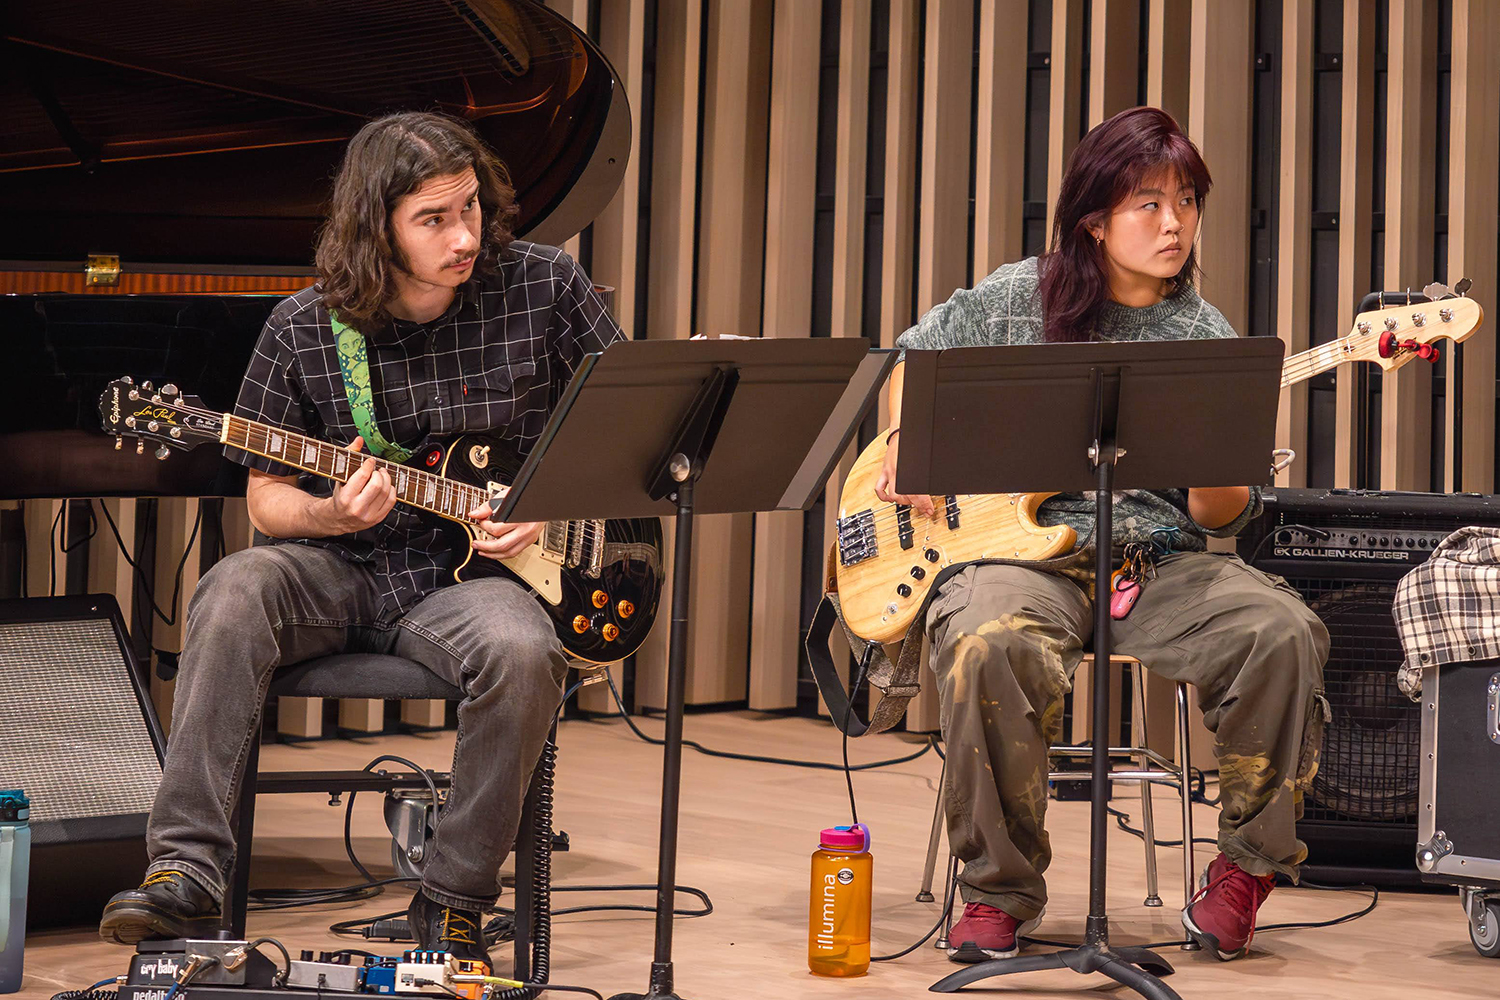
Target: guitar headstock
(1394, 336)
(162, 415)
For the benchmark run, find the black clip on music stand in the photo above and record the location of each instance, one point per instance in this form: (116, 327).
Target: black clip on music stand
(1059, 417)
(633, 436)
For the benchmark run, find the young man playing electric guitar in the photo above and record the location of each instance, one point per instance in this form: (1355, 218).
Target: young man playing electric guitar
(428, 320)
(1007, 638)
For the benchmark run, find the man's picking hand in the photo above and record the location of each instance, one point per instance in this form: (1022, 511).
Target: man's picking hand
(506, 540)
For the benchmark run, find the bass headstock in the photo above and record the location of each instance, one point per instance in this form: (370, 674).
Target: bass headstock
(163, 415)
(1394, 336)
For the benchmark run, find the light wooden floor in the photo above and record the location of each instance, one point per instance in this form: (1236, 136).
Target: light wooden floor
(747, 832)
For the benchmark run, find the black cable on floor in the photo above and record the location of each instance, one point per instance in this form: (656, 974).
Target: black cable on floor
(947, 909)
(1292, 925)
(755, 758)
(859, 679)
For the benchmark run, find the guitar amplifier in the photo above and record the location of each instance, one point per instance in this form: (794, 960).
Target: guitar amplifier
(79, 734)
(1344, 551)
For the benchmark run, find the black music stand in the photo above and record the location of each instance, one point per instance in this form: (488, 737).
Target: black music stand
(632, 437)
(1192, 413)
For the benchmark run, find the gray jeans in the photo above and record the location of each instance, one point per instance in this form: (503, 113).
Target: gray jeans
(274, 605)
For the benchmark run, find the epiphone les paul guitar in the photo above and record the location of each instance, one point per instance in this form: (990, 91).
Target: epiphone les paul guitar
(600, 581)
(889, 555)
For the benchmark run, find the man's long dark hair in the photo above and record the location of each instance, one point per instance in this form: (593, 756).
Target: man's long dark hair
(1108, 166)
(387, 159)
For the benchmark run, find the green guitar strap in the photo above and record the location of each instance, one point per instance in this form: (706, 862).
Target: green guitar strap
(354, 362)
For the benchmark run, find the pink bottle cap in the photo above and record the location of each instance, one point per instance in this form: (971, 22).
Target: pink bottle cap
(846, 838)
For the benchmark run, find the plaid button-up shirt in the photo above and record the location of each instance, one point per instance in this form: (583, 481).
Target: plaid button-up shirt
(1448, 609)
(496, 361)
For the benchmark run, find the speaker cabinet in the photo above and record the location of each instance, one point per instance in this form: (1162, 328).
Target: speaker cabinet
(1344, 551)
(79, 734)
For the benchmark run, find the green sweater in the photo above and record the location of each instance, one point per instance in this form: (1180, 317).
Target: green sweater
(1004, 309)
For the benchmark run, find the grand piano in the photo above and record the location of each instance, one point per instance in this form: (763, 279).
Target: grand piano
(164, 166)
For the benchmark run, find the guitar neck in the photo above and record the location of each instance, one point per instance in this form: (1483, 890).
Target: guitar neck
(436, 494)
(1325, 357)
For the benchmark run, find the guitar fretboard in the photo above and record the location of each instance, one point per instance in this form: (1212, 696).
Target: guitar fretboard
(419, 489)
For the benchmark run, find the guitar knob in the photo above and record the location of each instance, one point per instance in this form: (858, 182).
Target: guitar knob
(580, 624)
(600, 598)
(625, 609)
(903, 590)
(932, 555)
(918, 572)
(610, 632)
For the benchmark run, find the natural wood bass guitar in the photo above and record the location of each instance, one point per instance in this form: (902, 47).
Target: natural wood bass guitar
(889, 555)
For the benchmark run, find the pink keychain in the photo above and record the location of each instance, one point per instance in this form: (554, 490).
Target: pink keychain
(1127, 591)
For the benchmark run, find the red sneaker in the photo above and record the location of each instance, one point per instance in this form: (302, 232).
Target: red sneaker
(985, 932)
(1221, 916)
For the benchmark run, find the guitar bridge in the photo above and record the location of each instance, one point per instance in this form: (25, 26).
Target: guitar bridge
(857, 538)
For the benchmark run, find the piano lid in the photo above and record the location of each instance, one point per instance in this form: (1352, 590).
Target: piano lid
(207, 131)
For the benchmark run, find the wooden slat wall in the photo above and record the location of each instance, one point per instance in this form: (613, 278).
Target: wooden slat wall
(1169, 55)
(1473, 205)
(791, 201)
(1356, 155)
(1294, 232)
(846, 306)
(1411, 131)
(1000, 130)
(728, 197)
(1114, 59)
(1219, 121)
(1065, 116)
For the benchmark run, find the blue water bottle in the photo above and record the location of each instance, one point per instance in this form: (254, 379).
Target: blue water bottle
(15, 870)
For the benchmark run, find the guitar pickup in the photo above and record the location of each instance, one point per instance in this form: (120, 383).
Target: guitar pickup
(857, 538)
(951, 505)
(903, 526)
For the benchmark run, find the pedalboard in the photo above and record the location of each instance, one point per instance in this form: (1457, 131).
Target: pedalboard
(212, 969)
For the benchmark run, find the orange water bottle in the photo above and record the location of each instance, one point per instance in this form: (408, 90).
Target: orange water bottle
(838, 916)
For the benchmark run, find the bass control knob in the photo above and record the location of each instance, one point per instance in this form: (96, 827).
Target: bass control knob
(918, 572)
(932, 555)
(903, 590)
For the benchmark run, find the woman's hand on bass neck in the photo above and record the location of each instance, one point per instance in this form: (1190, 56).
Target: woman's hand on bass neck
(885, 485)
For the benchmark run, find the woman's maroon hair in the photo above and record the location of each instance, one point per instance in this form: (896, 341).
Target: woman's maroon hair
(1108, 165)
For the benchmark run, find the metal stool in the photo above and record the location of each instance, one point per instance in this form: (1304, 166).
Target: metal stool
(1150, 767)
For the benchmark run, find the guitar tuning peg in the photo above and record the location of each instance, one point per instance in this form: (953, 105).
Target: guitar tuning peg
(1437, 290)
(1435, 355)
(170, 389)
(146, 386)
(162, 451)
(140, 446)
(119, 442)
(1463, 286)
(1426, 352)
